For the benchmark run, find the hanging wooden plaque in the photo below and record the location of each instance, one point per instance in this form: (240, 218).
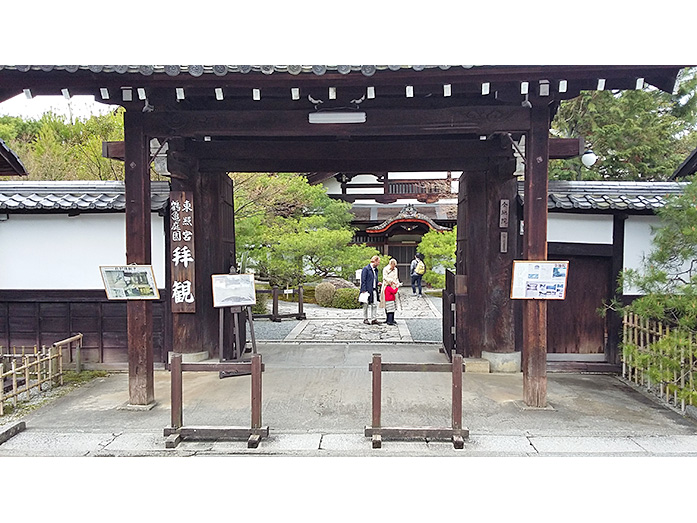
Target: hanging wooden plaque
(182, 252)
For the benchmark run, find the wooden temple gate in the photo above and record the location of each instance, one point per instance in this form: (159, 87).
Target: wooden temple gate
(218, 119)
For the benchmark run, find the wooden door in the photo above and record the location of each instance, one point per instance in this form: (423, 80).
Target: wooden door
(574, 325)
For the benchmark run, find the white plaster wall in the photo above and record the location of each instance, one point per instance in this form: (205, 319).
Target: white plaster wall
(579, 228)
(54, 251)
(332, 186)
(637, 242)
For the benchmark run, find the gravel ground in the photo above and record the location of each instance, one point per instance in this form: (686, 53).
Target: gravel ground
(425, 329)
(267, 330)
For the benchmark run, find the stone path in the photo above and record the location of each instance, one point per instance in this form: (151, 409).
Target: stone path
(346, 325)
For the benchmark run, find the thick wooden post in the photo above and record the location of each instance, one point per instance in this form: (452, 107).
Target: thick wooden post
(256, 391)
(138, 250)
(462, 342)
(377, 399)
(176, 387)
(534, 357)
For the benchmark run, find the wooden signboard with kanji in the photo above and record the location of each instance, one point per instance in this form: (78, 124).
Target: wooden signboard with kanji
(183, 252)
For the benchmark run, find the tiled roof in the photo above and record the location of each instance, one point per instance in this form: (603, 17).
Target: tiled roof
(407, 213)
(222, 70)
(572, 195)
(79, 195)
(110, 196)
(10, 164)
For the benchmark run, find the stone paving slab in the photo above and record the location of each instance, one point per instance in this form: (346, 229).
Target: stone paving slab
(590, 445)
(407, 307)
(668, 445)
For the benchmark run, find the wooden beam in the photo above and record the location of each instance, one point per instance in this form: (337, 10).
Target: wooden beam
(113, 150)
(379, 122)
(330, 155)
(138, 251)
(563, 148)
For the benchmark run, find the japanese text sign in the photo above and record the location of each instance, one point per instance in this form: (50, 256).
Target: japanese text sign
(182, 252)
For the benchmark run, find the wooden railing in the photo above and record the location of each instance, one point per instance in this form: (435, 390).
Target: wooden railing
(275, 292)
(661, 359)
(179, 431)
(456, 432)
(29, 371)
(74, 342)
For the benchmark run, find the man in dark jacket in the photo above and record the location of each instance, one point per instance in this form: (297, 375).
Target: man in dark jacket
(369, 284)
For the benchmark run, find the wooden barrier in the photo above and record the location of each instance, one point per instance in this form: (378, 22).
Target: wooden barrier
(456, 433)
(178, 431)
(275, 316)
(68, 343)
(46, 367)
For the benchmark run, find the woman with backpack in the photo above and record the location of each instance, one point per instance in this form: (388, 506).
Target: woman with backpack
(418, 268)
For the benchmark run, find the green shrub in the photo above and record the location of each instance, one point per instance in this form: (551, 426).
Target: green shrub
(346, 299)
(324, 294)
(260, 306)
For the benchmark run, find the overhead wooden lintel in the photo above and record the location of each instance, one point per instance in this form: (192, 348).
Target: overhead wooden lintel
(476, 120)
(359, 164)
(451, 148)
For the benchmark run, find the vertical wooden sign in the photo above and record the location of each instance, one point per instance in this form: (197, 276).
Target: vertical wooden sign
(183, 253)
(504, 211)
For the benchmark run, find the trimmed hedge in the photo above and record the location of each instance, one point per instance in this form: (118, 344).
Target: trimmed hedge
(324, 294)
(346, 299)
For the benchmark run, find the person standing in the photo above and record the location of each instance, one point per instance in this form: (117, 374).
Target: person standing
(417, 269)
(389, 274)
(390, 301)
(369, 284)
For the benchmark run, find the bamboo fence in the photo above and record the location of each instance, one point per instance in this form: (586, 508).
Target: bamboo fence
(29, 370)
(665, 369)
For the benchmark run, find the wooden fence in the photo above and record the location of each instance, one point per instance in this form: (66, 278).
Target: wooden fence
(24, 369)
(275, 291)
(661, 359)
(456, 433)
(28, 371)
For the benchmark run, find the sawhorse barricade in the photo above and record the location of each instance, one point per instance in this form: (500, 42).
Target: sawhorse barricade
(178, 431)
(456, 433)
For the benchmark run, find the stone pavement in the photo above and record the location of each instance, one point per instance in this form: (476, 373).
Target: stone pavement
(317, 402)
(418, 319)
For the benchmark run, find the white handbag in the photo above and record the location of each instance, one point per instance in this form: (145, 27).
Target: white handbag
(363, 297)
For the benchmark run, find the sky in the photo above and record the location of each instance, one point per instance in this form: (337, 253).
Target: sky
(78, 107)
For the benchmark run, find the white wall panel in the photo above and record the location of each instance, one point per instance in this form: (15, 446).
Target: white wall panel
(579, 228)
(59, 252)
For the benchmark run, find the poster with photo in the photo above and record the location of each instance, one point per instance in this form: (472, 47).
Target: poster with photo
(539, 280)
(233, 290)
(129, 282)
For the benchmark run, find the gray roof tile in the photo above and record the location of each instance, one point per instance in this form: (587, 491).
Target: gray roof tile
(98, 196)
(640, 196)
(221, 70)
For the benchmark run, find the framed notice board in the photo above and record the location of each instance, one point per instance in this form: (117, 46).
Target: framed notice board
(129, 282)
(539, 280)
(233, 290)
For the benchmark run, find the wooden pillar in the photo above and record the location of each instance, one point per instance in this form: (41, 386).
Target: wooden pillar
(534, 357)
(211, 258)
(462, 345)
(484, 312)
(502, 191)
(138, 250)
(614, 317)
(198, 331)
(477, 259)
